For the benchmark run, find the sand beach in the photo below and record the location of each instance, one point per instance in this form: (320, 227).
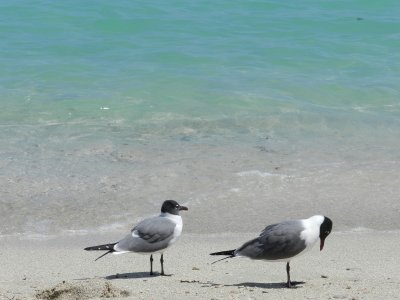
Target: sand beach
(354, 265)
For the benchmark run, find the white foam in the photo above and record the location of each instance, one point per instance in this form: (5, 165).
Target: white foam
(361, 109)
(28, 236)
(110, 227)
(36, 236)
(70, 232)
(361, 229)
(260, 174)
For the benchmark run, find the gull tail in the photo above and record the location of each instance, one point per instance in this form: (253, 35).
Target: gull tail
(109, 247)
(230, 253)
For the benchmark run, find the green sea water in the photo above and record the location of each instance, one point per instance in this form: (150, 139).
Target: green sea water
(93, 88)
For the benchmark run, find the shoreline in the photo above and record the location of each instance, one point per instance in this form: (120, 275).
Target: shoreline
(78, 235)
(354, 265)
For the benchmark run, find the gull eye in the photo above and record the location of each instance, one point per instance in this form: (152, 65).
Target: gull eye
(177, 206)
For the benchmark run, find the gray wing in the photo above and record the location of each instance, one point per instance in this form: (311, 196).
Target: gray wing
(277, 241)
(149, 235)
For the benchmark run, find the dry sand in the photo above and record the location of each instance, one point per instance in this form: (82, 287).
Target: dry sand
(354, 265)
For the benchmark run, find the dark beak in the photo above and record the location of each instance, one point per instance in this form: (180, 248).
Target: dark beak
(321, 246)
(183, 208)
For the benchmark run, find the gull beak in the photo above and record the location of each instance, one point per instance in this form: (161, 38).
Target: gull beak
(321, 246)
(183, 208)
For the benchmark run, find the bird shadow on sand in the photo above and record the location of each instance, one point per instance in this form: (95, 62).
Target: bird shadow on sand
(133, 275)
(273, 285)
(261, 285)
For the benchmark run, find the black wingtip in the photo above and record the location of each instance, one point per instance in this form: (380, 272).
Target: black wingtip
(228, 252)
(106, 247)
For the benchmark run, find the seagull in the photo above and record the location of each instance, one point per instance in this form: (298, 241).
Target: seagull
(152, 235)
(284, 241)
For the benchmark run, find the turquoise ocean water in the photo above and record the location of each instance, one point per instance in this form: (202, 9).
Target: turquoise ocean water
(108, 108)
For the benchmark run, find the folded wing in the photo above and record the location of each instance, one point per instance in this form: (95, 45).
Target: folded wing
(277, 241)
(150, 235)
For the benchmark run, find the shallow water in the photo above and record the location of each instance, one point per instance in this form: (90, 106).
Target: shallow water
(257, 111)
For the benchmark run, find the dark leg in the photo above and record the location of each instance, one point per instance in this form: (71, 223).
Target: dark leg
(151, 264)
(289, 283)
(162, 264)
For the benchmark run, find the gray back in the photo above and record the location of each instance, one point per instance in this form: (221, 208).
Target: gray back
(154, 234)
(277, 241)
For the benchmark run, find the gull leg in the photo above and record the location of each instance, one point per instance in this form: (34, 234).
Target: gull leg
(162, 264)
(151, 264)
(289, 283)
